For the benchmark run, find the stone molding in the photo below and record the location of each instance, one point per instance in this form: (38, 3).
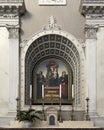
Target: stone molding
(9, 16)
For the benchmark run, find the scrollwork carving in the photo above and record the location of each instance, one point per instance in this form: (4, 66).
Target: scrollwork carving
(13, 33)
(23, 43)
(52, 24)
(91, 32)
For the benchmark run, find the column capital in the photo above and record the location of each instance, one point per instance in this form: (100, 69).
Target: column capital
(13, 31)
(91, 31)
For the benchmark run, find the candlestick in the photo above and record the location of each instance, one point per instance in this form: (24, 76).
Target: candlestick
(87, 111)
(43, 91)
(18, 107)
(60, 114)
(30, 91)
(30, 103)
(43, 110)
(60, 90)
(72, 113)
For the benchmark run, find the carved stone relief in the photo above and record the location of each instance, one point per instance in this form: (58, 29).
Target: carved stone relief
(52, 24)
(91, 32)
(13, 33)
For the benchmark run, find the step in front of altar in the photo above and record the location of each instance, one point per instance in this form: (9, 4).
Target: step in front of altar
(76, 124)
(64, 124)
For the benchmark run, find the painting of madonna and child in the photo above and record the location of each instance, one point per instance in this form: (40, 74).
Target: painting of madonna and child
(52, 80)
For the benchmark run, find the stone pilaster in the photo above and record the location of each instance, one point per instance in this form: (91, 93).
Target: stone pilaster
(93, 11)
(13, 66)
(10, 12)
(91, 41)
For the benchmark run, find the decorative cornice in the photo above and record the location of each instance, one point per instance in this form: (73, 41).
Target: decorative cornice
(89, 7)
(12, 6)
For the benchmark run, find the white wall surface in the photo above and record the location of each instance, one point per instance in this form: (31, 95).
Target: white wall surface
(67, 16)
(100, 72)
(4, 70)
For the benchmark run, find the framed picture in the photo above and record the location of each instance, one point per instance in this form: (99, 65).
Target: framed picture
(52, 81)
(52, 2)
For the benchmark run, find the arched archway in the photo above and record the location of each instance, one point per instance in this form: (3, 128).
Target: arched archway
(59, 45)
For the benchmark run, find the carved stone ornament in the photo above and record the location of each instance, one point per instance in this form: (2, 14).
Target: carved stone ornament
(23, 43)
(13, 31)
(83, 44)
(52, 24)
(91, 32)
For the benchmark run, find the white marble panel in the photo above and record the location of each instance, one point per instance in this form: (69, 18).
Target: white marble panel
(13, 72)
(91, 73)
(4, 70)
(100, 72)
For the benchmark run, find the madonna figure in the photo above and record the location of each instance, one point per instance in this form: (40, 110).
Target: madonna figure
(52, 74)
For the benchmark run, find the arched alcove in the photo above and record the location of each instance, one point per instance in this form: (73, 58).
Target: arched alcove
(51, 120)
(56, 45)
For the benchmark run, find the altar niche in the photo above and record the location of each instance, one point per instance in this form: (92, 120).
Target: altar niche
(52, 82)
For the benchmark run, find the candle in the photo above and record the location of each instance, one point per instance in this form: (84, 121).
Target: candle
(87, 90)
(30, 91)
(72, 91)
(60, 90)
(43, 91)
